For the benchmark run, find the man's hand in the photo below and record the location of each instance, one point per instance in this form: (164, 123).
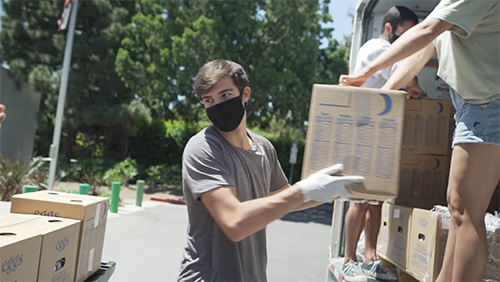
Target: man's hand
(322, 186)
(415, 92)
(3, 115)
(355, 79)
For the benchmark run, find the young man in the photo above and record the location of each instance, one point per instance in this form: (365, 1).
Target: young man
(465, 35)
(396, 21)
(234, 185)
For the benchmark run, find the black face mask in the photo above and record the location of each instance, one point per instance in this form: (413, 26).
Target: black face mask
(227, 115)
(393, 37)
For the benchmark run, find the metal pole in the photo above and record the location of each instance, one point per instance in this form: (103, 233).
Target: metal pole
(54, 147)
(291, 175)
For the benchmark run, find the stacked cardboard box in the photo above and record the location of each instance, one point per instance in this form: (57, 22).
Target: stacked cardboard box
(428, 235)
(425, 161)
(91, 211)
(19, 253)
(394, 234)
(52, 258)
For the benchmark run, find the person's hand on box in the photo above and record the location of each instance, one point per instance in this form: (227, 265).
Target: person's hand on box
(325, 186)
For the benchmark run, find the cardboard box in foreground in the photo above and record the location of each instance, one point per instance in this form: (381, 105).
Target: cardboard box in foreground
(59, 244)
(429, 232)
(19, 251)
(361, 128)
(91, 210)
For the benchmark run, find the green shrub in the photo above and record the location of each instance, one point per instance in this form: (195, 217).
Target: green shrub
(161, 174)
(121, 172)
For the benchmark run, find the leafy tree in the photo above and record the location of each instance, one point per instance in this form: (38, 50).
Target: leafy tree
(97, 103)
(276, 41)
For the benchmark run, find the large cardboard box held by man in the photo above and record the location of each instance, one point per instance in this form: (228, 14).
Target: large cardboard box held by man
(19, 250)
(361, 128)
(59, 245)
(91, 210)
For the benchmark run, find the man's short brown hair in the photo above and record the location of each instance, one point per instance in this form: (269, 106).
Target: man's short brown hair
(214, 71)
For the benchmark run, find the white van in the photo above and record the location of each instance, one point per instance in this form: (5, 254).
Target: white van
(367, 24)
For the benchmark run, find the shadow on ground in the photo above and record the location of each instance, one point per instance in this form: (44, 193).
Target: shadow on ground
(321, 214)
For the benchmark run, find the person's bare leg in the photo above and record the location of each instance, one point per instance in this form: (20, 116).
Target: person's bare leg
(372, 228)
(354, 224)
(446, 272)
(474, 175)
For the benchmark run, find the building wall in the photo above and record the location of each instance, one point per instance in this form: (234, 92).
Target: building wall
(17, 135)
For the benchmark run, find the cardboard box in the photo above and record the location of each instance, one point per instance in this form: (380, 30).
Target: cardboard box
(428, 127)
(60, 238)
(442, 89)
(428, 235)
(385, 227)
(361, 128)
(91, 210)
(59, 245)
(399, 236)
(19, 250)
(423, 180)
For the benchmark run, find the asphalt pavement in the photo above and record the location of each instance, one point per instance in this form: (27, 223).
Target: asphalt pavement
(147, 242)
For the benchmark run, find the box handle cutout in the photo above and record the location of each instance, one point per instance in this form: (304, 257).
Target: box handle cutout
(385, 223)
(75, 200)
(8, 234)
(421, 237)
(55, 221)
(400, 229)
(59, 264)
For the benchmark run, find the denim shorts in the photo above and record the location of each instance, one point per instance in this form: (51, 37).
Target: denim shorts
(476, 123)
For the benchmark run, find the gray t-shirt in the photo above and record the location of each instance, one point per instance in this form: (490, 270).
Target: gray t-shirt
(209, 162)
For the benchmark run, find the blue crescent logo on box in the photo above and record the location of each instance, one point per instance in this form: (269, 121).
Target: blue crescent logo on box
(441, 107)
(438, 163)
(388, 104)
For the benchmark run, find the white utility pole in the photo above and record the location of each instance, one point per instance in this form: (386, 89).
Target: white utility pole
(54, 147)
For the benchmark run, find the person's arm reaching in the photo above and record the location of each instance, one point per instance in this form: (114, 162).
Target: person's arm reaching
(408, 69)
(240, 219)
(410, 42)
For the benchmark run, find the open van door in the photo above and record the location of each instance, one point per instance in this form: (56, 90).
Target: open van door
(367, 24)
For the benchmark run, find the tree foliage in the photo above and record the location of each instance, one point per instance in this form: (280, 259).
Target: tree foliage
(276, 41)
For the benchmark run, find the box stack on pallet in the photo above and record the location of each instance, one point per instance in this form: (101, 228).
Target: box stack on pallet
(403, 149)
(52, 236)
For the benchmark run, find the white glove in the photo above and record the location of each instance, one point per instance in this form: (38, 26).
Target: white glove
(322, 186)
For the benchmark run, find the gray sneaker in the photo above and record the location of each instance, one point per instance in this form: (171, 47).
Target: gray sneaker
(377, 270)
(352, 272)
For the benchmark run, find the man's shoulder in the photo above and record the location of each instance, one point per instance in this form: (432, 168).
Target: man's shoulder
(260, 139)
(201, 140)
